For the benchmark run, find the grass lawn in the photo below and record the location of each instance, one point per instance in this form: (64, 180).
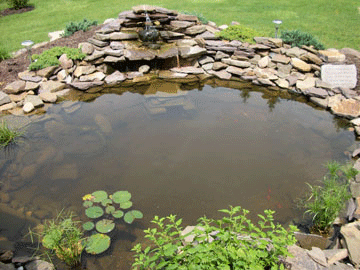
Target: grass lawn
(335, 23)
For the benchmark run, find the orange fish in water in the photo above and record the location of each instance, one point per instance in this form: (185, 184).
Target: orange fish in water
(268, 197)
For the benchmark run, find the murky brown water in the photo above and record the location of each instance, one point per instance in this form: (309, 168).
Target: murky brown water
(189, 153)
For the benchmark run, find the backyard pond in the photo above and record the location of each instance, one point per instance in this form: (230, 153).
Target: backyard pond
(179, 149)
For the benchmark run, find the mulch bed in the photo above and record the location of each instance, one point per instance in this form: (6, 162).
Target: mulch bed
(10, 11)
(11, 67)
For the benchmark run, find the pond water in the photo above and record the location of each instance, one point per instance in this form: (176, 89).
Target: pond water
(188, 153)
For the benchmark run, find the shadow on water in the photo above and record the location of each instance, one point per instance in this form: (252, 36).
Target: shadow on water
(187, 149)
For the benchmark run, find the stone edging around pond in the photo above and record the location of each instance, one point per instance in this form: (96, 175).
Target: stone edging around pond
(189, 52)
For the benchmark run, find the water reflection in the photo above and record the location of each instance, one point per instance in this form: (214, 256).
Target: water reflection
(182, 152)
(245, 94)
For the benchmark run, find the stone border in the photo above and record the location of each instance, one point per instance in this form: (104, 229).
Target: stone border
(191, 51)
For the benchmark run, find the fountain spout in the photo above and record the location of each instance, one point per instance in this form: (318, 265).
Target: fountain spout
(149, 34)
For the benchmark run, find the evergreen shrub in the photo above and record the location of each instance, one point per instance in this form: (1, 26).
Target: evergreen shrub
(239, 32)
(297, 38)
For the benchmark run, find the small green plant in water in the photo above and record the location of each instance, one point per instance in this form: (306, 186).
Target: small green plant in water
(62, 236)
(73, 27)
(232, 242)
(103, 209)
(297, 38)
(8, 135)
(51, 57)
(324, 202)
(239, 32)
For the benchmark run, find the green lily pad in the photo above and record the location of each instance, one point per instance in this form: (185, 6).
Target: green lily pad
(105, 226)
(99, 195)
(88, 204)
(88, 226)
(118, 214)
(94, 212)
(125, 205)
(106, 202)
(121, 196)
(109, 209)
(131, 215)
(97, 243)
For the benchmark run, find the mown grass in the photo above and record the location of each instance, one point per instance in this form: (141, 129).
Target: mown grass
(334, 23)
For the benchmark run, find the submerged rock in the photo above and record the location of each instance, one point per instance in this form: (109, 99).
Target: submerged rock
(103, 123)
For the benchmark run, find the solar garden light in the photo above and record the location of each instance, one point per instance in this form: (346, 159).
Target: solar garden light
(27, 44)
(277, 25)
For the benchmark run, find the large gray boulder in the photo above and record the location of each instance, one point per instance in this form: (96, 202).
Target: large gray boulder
(300, 65)
(137, 55)
(196, 29)
(34, 100)
(188, 70)
(236, 63)
(115, 78)
(15, 87)
(351, 234)
(51, 86)
(86, 85)
(349, 108)
(191, 52)
(4, 98)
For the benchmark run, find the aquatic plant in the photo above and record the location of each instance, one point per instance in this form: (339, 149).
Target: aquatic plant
(63, 236)
(104, 208)
(324, 202)
(8, 135)
(97, 243)
(232, 242)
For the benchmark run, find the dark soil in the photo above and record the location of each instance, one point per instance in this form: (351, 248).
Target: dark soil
(10, 11)
(11, 67)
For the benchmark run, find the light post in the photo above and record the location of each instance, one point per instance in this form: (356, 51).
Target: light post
(27, 44)
(277, 25)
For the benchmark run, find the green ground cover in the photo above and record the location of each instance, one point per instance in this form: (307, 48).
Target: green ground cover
(334, 23)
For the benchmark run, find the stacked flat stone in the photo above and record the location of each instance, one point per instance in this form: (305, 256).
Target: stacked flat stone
(184, 39)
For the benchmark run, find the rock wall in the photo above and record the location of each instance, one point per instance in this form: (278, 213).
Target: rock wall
(188, 49)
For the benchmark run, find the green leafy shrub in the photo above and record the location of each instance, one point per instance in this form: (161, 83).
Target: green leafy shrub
(103, 209)
(7, 135)
(50, 57)
(325, 202)
(4, 53)
(63, 236)
(200, 16)
(17, 4)
(73, 27)
(232, 242)
(297, 38)
(239, 32)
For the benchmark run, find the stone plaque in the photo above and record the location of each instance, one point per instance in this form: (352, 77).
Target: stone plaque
(339, 75)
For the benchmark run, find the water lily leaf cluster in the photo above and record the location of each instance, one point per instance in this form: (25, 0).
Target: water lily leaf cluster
(103, 209)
